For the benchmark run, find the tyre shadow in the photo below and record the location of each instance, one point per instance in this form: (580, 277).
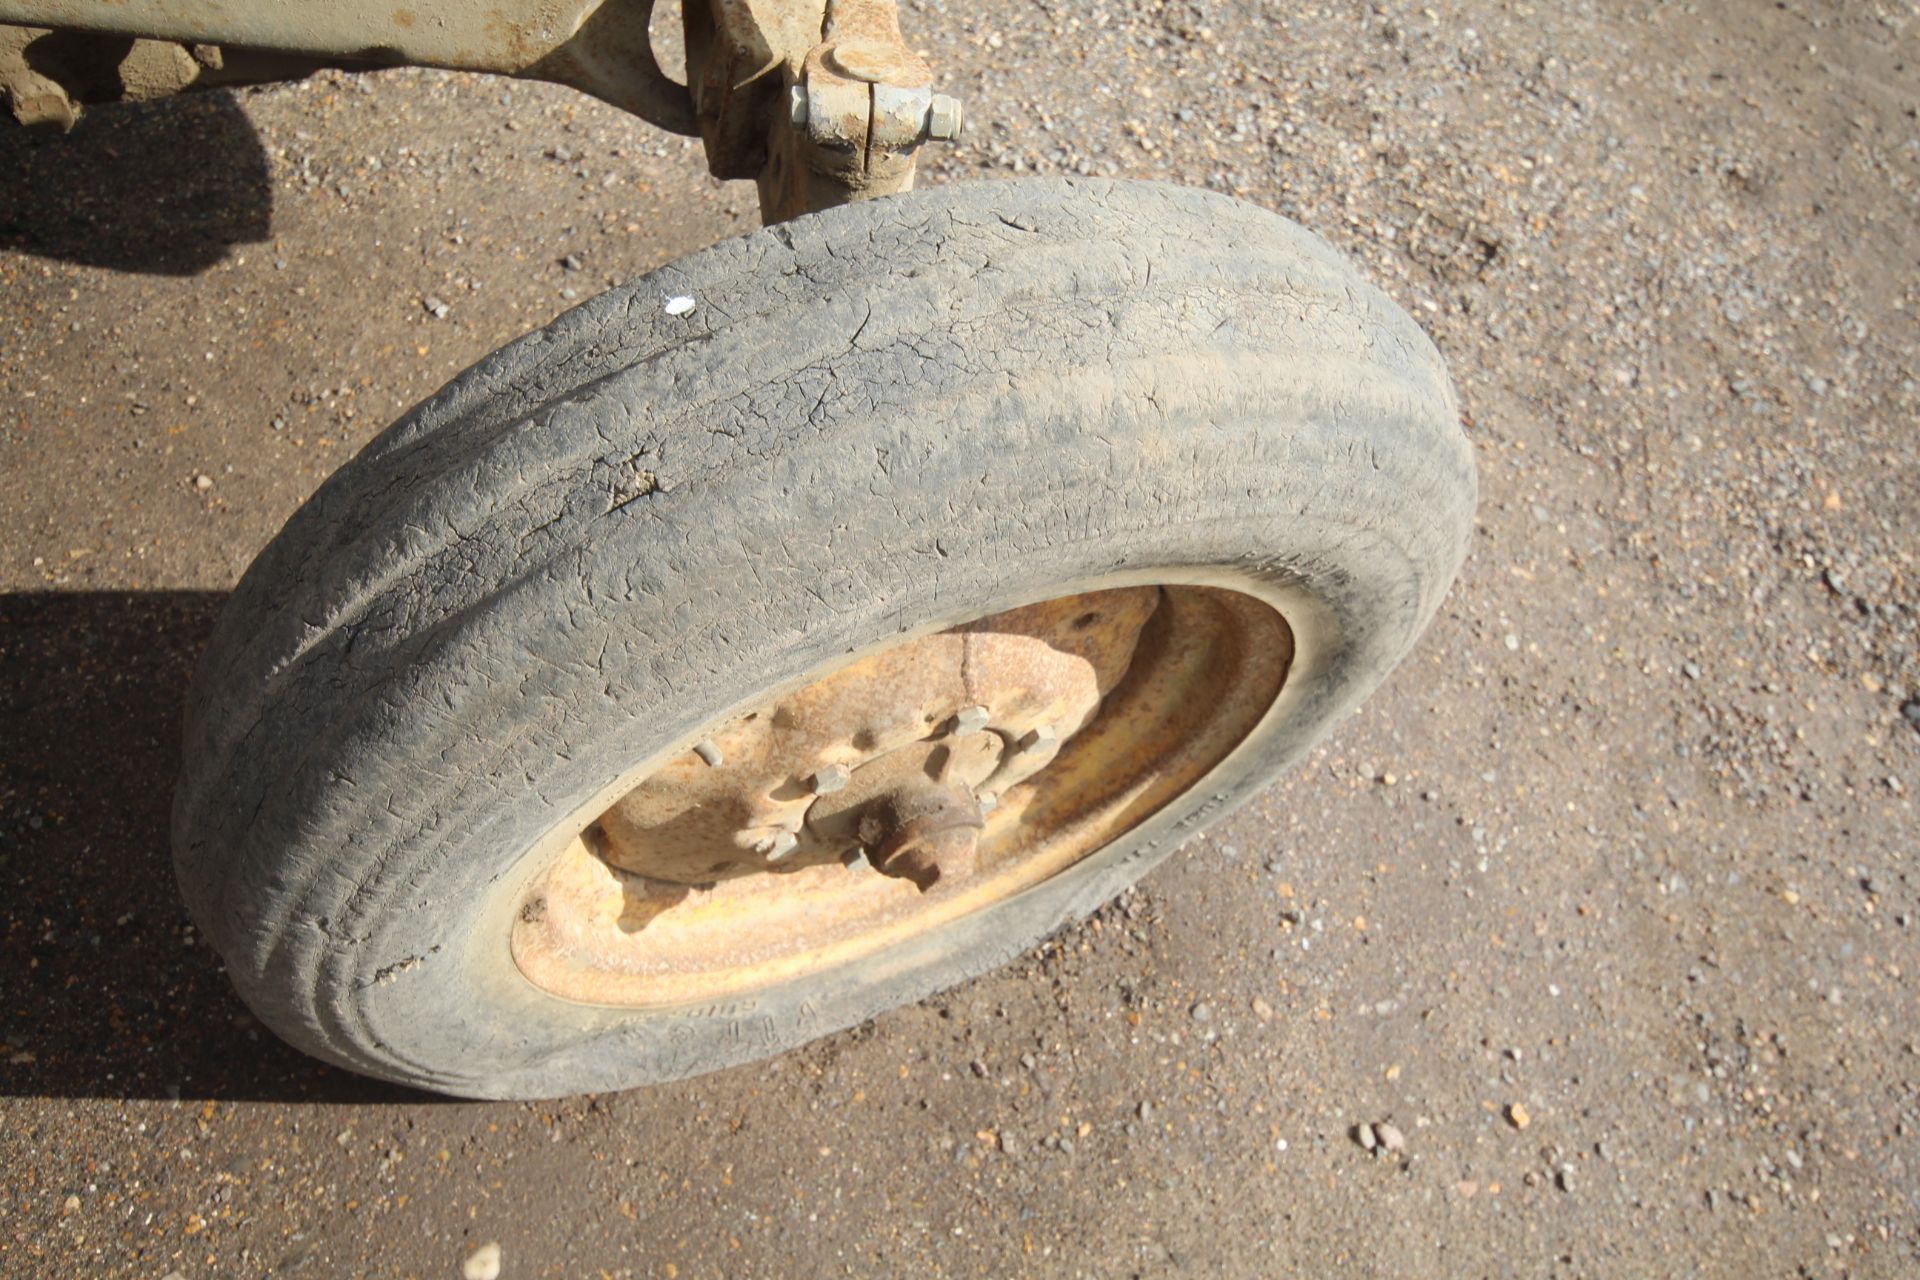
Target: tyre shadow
(164, 187)
(107, 990)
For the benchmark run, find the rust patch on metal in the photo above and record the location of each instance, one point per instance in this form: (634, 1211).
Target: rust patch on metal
(600, 47)
(926, 833)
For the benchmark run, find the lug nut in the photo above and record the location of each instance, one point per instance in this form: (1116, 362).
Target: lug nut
(1039, 740)
(797, 106)
(774, 848)
(969, 720)
(829, 779)
(943, 118)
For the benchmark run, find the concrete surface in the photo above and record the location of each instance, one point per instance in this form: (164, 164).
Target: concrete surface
(1602, 910)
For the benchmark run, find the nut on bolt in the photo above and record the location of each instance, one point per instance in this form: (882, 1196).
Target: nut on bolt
(1039, 740)
(944, 118)
(829, 779)
(969, 720)
(797, 106)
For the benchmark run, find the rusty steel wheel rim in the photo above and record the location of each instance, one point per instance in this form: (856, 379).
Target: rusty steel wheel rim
(900, 791)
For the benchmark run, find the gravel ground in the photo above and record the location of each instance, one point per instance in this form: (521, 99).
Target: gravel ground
(1586, 949)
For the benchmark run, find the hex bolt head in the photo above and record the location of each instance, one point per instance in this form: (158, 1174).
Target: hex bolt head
(797, 106)
(774, 848)
(944, 118)
(987, 801)
(1039, 740)
(829, 779)
(969, 720)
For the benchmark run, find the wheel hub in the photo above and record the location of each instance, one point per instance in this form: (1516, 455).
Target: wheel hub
(905, 789)
(885, 752)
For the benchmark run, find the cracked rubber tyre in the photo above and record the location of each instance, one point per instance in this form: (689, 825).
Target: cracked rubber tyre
(878, 423)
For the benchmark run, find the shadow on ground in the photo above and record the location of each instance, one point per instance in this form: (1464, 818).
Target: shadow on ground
(107, 994)
(165, 187)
